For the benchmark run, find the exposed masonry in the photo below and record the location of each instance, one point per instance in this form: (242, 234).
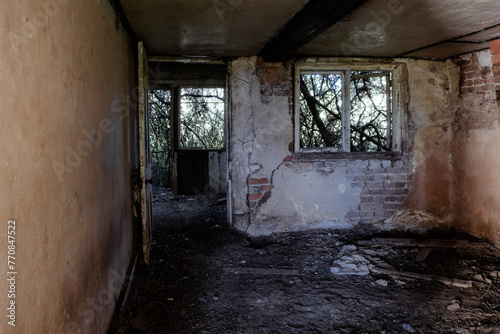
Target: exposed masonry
(477, 88)
(495, 59)
(384, 185)
(474, 77)
(276, 190)
(274, 80)
(475, 202)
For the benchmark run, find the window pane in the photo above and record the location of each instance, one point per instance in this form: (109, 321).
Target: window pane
(202, 118)
(370, 96)
(160, 107)
(321, 110)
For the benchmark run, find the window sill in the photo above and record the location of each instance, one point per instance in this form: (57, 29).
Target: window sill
(314, 156)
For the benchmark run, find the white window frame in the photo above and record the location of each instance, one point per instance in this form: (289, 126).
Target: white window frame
(326, 67)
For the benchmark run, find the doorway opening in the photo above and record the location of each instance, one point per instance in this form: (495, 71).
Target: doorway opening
(187, 104)
(187, 107)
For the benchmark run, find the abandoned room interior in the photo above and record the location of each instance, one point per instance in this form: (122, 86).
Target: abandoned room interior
(250, 166)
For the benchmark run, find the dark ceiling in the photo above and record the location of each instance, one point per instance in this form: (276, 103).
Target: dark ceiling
(282, 29)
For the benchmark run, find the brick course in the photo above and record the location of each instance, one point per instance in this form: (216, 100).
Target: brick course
(257, 187)
(384, 185)
(477, 79)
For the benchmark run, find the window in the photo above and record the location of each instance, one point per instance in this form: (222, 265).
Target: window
(345, 110)
(202, 118)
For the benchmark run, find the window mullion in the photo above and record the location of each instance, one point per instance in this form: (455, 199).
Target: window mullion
(389, 111)
(346, 113)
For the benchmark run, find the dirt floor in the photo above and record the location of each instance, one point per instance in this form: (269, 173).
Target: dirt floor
(205, 277)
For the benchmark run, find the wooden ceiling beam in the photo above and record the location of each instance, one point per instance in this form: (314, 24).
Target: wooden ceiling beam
(313, 19)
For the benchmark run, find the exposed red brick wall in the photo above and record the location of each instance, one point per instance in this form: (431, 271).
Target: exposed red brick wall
(474, 198)
(474, 77)
(495, 59)
(257, 188)
(275, 79)
(478, 107)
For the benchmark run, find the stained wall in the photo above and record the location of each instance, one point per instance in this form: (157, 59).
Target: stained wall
(274, 188)
(476, 162)
(67, 148)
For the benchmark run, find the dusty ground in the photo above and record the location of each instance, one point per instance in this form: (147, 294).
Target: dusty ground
(206, 278)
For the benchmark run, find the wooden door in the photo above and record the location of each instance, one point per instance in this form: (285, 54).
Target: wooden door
(145, 155)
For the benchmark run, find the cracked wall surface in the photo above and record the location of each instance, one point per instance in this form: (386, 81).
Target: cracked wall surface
(274, 189)
(443, 176)
(302, 197)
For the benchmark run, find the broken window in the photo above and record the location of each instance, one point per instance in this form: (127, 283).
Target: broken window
(345, 110)
(202, 118)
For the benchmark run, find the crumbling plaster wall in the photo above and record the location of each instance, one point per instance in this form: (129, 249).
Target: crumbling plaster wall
(274, 189)
(476, 162)
(66, 69)
(432, 94)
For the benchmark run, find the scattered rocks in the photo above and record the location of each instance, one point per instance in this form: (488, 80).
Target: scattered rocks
(354, 262)
(409, 328)
(454, 306)
(382, 282)
(481, 278)
(462, 331)
(221, 281)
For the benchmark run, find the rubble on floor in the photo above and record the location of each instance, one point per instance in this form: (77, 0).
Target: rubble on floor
(205, 277)
(365, 260)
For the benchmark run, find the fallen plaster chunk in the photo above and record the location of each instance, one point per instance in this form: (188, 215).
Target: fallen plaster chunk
(481, 278)
(351, 265)
(354, 262)
(454, 306)
(409, 328)
(262, 271)
(462, 331)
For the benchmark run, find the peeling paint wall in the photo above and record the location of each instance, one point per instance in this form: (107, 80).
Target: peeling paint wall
(432, 92)
(274, 189)
(67, 152)
(476, 162)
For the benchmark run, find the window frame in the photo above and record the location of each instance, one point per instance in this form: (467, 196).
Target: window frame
(309, 66)
(178, 114)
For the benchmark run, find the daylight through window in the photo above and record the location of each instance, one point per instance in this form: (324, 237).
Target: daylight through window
(327, 120)
(202, 118)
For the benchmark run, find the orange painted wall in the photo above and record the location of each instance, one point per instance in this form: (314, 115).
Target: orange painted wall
(66, 148)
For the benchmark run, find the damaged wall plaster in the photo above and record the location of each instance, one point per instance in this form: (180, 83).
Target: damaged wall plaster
(432, 92)
(302, 197)
(445, 176)
(476, 163)
(275, 190)
(438, 180)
